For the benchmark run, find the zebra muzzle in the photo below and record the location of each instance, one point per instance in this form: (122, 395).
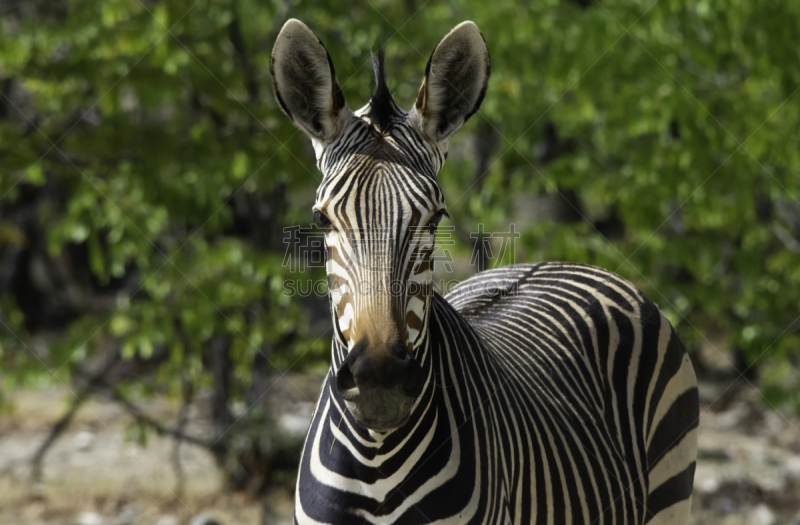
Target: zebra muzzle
(380, 385)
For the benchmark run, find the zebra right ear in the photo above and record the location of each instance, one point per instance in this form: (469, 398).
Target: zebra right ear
(454, 85)
(305, 83)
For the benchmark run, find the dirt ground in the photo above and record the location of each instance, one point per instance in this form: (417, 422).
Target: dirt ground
(97, 474)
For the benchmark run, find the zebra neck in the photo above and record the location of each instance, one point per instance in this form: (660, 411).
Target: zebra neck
(348, 474)
(451, 355)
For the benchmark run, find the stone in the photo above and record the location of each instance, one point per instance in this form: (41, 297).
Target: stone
(89, 518)
(204, 519)
(129, 514)
(83, 441)
(761, 515)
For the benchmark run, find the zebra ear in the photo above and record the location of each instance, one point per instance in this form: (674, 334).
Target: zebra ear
(454, 85)
(305, 82)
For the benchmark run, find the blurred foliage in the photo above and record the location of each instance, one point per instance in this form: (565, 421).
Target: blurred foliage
(668, 128)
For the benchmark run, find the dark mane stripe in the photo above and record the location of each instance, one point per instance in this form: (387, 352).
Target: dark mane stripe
(382, 106)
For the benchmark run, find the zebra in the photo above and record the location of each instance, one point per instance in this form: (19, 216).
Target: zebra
(548, 393)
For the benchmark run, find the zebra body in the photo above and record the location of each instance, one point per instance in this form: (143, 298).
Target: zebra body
(549, 402)
(548, 393)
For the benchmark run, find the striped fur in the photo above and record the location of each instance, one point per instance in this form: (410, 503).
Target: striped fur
(367, 246)
(554, 393)
(557, 393)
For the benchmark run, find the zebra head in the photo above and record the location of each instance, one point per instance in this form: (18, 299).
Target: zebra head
(379, 204)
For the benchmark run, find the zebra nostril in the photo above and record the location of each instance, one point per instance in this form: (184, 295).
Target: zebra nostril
(415, 380)
(344, 378)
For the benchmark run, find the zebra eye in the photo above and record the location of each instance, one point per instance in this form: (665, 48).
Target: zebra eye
(434, 221)
(323, 221)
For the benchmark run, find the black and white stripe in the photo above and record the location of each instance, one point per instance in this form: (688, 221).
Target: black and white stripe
(557, 393)
(551, 393)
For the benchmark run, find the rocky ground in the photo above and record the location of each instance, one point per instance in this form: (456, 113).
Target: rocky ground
(99, 474)
(748, 469)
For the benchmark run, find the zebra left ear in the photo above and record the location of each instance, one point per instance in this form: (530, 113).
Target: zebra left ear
(454, 85)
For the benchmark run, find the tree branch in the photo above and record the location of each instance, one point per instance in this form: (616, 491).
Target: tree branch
(786, 238)
(187, 394)
(156, 425)
(92, 383)
(250, 80)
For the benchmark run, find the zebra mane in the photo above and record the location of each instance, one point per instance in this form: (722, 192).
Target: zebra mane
(382, 106)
